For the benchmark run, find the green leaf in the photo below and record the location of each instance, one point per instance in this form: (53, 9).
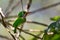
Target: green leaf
(56, 37)
(21, 14)
(55, 18)
(35, 38)
(52, 28)
(47, 37)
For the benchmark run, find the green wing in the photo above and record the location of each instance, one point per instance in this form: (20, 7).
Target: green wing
(18, 22)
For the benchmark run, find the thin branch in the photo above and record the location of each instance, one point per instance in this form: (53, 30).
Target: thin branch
(5, 25)
(29, 33)
(29, 30)
(1, 36)
(34, 22)
(21, 28)
(39, 34)
(9, 5)
(12, 35)
(29, 4)
(26, 32)
(28, 7)
(12, 8)
(40, 9)
(11, 17)
(22, 37)
(32, 30)
(44, 8)
(22, 4)
(3, 22)
(37, 23)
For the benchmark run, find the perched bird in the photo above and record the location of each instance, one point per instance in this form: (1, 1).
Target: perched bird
(19, 21)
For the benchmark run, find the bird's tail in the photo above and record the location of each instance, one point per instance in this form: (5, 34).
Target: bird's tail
(15, 30)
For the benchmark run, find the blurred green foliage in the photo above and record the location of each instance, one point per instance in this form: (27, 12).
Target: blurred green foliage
(53, 27)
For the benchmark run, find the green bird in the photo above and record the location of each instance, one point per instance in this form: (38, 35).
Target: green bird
(19, 21)
(55, 18)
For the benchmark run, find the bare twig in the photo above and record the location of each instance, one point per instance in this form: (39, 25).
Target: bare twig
(29, 33)
(5, 37)
(29, 30)
(22, 37)
(3, 22)
(12, 35)
(26, 32)
(39, 34)
(34, 22)
(37, 23)
(40, 9)
(29, 5)
(15, 16)
(5, 25)
(12, 8)
(32, 30)
(44, 8)
(21, 28)
(22, 4)
(9, 5)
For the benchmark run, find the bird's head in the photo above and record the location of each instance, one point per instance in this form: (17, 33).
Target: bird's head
(21, 13)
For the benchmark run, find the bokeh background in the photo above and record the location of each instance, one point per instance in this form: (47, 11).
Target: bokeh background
(40, 16)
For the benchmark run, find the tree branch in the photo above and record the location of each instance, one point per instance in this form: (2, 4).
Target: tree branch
(9, 5)
(22, 37)
(29, 33)
(37, 23)
(5, 37)
(26, 32)
(5, 25)
(44, 8)
(12, 8)
(29, 5)
(34, 22)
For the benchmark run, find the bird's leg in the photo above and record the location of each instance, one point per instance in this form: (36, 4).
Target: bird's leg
(17, 35)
